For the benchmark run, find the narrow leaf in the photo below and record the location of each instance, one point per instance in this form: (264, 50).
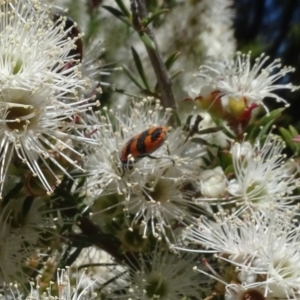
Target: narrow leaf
(200, 141)
(148, 20)
(286, 134)
(293, 131)
(147, 41)
(118, 14)
(176, 118)
(171, 59)
(187, 124)
(265, 122)
(271, 116)
(175, 74)
(140, 68)
(288, 138)
(132, 77)
(209, 130)
(123, 8)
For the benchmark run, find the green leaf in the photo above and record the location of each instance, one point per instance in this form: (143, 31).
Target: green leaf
(147, 41)
(200, 141)
(124, 92)
(92, 29)
(225, 159)
(140, 68)
(148, 20)
(265, 129)
(271, 116)
(118, 14)
(287, 137)
(293, 131)
(175, 74)
(285, 133)
(123, 8)
(209, 130)
(176, 118)
(229, 170)
(220, 124)
(266, 122)
(171, 59)
(132, 77)
(187, 124)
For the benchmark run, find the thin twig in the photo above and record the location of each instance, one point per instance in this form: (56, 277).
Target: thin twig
(139, 12)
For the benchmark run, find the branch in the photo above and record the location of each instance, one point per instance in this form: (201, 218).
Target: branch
(140, 13)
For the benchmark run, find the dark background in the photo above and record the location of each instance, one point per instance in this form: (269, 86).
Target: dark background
(273, 27)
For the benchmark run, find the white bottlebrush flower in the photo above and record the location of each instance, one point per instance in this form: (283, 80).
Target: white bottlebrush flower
(160, 200)
(90, 52)
(235, 85)
(263, 248)
(38, 96)
(262, 178)
(35, 51)
(164, 276)
(34, 126)
(152, 188)
(104, 160)
(65, 288)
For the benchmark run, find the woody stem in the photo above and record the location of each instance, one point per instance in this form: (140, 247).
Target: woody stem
(139, 13)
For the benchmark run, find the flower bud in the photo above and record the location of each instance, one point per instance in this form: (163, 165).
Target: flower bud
(242, 151)
(213, 183)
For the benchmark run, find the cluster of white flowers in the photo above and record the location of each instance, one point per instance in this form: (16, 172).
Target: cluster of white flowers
(141, 181)
(232, 88)
(262, 178)
(163, 276)
(260, 249)
(39, 86)
(153, 190)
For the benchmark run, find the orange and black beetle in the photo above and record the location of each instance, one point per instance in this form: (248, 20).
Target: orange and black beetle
(143, 144)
